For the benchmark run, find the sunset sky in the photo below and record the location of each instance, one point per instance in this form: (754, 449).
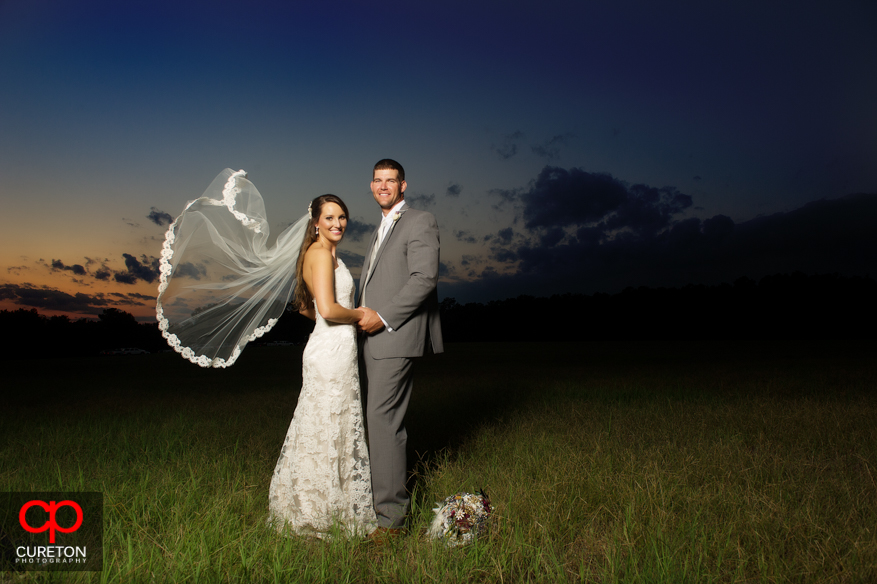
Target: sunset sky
(563, 146)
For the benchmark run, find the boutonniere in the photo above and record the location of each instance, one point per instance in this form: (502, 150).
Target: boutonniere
(396, 216)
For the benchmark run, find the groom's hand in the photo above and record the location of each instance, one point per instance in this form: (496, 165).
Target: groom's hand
(370, 322)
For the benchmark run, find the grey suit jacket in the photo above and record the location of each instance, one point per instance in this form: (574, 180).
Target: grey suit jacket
(402, 287)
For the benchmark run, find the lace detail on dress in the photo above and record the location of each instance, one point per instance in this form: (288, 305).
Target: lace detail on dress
(323, 475)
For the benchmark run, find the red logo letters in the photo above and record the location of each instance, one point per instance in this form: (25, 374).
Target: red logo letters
(51, 508)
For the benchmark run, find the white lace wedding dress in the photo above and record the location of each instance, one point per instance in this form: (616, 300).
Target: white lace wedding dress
(323, 477)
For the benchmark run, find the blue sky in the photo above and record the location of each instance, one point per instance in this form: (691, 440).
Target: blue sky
(113, 113)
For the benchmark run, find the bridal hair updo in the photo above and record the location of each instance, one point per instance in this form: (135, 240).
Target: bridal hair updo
(303, 297)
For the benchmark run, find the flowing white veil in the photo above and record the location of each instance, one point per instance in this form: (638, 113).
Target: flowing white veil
(220, 286)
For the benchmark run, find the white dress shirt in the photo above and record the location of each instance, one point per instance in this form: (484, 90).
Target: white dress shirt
(386, 224)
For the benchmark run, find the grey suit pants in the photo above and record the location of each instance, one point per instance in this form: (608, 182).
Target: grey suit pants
(387, 389)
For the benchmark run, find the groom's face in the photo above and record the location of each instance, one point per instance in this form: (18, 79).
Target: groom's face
(387, 188)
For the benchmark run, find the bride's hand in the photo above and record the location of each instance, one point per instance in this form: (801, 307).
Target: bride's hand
(362, 312)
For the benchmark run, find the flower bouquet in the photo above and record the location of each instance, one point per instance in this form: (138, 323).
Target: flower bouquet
(461, 518)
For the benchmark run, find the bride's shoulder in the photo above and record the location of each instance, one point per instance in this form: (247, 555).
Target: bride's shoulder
(316, 250)
(318, 253)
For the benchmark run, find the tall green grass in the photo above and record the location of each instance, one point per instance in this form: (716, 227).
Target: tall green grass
(613, 462)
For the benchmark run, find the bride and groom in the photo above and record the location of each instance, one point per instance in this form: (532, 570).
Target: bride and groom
(326, 476)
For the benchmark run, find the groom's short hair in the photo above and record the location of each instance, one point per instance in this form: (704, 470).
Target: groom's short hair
(390, 164)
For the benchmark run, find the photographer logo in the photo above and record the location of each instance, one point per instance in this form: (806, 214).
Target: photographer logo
(51, 531)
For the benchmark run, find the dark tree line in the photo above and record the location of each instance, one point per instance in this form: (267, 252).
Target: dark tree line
(793, 306)
(28, 334)
(783, 306)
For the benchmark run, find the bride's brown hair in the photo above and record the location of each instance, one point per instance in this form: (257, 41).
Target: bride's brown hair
(303, 298)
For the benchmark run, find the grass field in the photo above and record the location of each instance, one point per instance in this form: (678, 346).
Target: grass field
(606, 462)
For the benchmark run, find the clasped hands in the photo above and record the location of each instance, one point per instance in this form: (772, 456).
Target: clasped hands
(370, 322)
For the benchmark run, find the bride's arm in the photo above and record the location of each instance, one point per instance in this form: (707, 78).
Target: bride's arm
(322, 269)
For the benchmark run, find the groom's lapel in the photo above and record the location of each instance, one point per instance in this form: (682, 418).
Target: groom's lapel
(367, 266)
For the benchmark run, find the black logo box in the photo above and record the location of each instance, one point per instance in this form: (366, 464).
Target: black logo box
(66, 554)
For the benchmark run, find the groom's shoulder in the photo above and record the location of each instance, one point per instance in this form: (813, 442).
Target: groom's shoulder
(422, 221)
(420, 214)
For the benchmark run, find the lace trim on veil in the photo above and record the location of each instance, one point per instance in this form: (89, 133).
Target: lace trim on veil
(254, 256)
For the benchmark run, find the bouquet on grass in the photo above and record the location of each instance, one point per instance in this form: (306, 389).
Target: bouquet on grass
(461, 518)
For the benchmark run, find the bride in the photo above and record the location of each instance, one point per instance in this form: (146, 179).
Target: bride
(221, 287)
(322, 477)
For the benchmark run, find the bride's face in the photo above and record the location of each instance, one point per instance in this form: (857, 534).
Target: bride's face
(332, 222)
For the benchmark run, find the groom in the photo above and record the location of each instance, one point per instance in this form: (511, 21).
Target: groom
(398, 285)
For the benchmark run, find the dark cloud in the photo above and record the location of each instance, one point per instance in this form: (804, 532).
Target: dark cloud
(146, 269)
(454, 190)
(823, 237)
(566, 197)
(551, 237)
(350, 259)
(469, 259)
(130, 302)
(510, 196)
(357, 229)
(718, 229)
(125, 278)
(465, 236)
(589, 235)
(550, 149)
(489, 273)
(504, 255)
(140, 296)
(505, 235)
(509, 146)
(190, 270)
(648, 210)
(52, 299)
(75, 268)
(420, 201)
(129, 299)
(160, 218)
